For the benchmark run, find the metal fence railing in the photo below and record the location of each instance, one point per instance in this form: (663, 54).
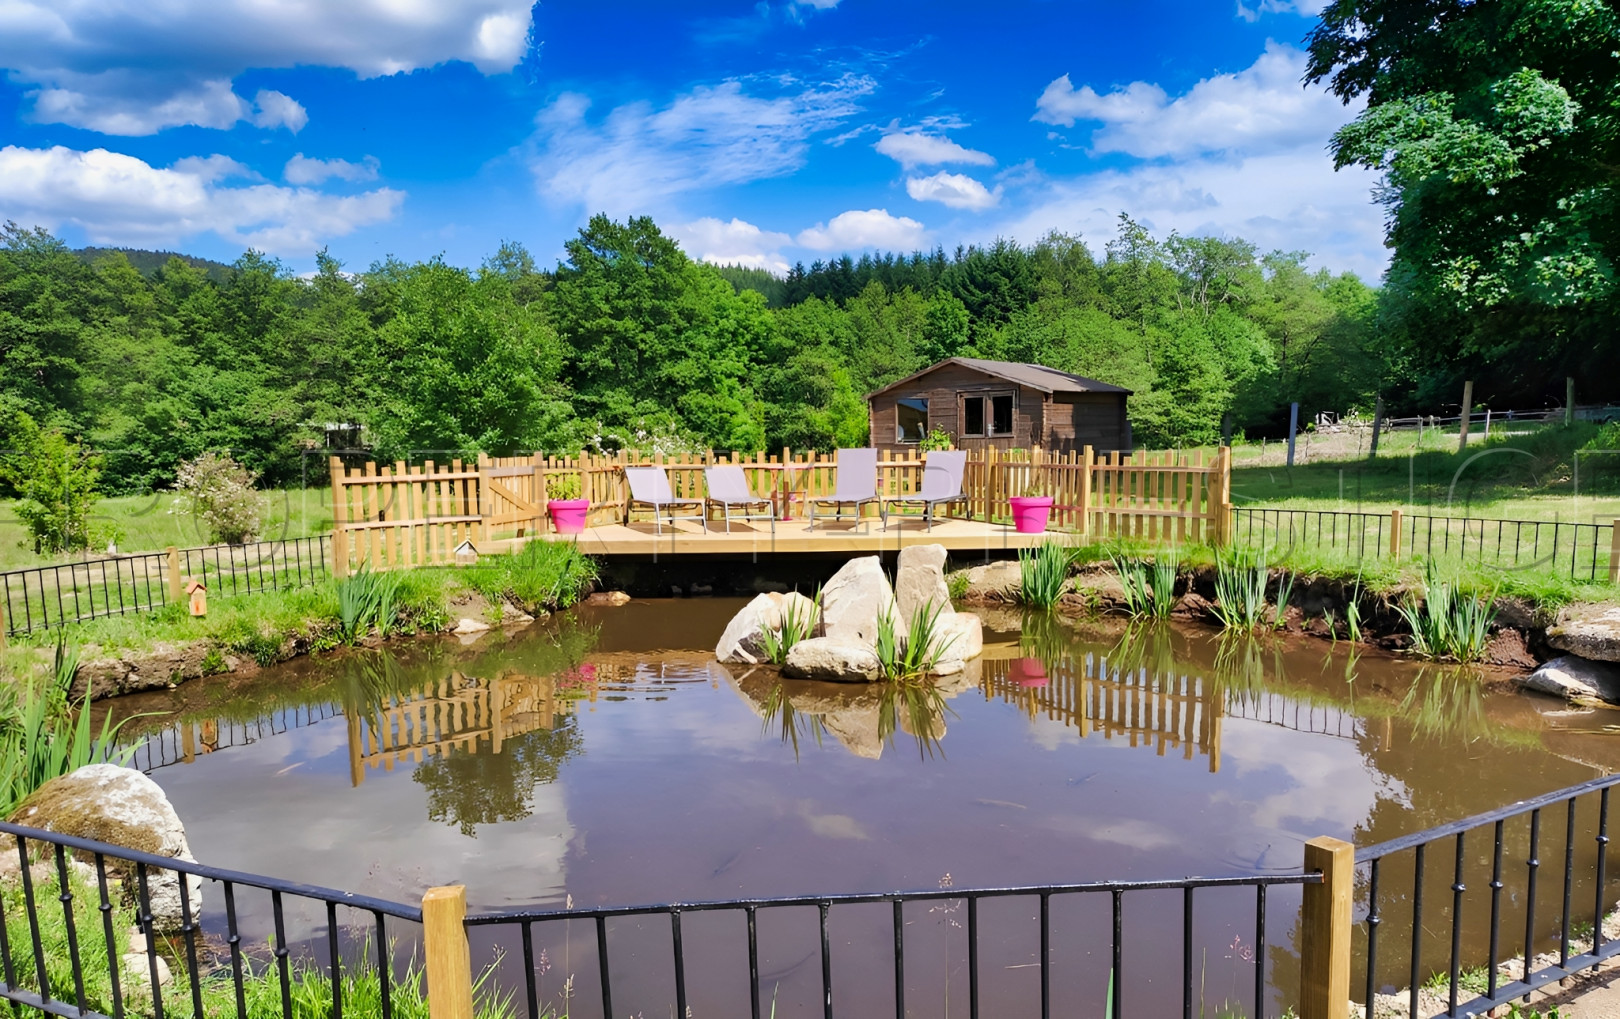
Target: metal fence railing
(1579, 551)
(47, 597)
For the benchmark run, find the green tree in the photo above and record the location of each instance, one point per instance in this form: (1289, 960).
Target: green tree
(55, 479)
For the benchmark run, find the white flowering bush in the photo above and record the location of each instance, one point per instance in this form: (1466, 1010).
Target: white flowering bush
(219, 492)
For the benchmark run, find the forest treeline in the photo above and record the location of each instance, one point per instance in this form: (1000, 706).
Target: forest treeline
(628, 342)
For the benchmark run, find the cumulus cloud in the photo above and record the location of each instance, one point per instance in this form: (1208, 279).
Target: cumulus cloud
(917, 147)
(734, 243)
(955, 190)
(130, 67)
(1305, 8)
(638, 157)
(301, 169)
(118, 199)
(872, 228)
(1261, 108)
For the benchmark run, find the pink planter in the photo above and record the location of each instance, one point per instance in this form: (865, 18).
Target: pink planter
(1027, 672)
(568, 515)
(1030, 513)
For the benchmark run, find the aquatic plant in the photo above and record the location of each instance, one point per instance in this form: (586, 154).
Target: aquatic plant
(798, 623)
(1447, 624)
(44, 735)
(362, 599)
(958, 583)
(1285, 590)
(1042, 574)
(1240, 590)
(1149, 585)
(916, 651)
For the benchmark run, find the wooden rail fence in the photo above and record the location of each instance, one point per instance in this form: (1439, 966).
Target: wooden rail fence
(399, 515)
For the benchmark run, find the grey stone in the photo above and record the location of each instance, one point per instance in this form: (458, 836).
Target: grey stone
(996, 581)
(960, 636)
(1573, 677)
(137, 968)
(468, 625)
(832, 660)
(1591, 631)
(919, 583)
(122, 807)
(853, 600)
(949, 667)
(743, 640)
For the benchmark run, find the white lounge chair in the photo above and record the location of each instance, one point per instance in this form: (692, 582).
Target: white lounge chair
(855, 484)
(941, 484)
(649, 486)
(728, 488)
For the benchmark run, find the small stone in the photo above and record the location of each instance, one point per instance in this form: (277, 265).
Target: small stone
(949, 667)
(610, 598)
(137, 940)
(832, 660)
(702, 590)
(138, 972)
(467, 625)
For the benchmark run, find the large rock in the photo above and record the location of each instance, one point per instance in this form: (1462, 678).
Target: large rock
(1576, 678)
(743, 641)
(853, 600)
(1591, 631)
(122, 807)
(994, 582)
(960, 636)
(832, 660)
(919, 583)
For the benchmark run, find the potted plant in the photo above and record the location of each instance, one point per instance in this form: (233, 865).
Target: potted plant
(1031, 510)
(564, 504)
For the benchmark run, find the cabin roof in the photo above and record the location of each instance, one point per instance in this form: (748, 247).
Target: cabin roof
(1033, 376)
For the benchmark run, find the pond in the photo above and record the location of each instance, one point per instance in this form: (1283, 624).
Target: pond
(605, 758)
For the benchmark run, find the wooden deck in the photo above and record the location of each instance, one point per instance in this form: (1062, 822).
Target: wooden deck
(794, 536)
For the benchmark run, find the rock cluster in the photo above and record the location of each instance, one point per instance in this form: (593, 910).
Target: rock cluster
(841, 645)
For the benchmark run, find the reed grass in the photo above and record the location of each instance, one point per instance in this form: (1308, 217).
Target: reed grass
(1043, 573)
(1240, 590)
(1448, 624)
(1149, 584)
(798, 623)
(540, 576)
(916, 651)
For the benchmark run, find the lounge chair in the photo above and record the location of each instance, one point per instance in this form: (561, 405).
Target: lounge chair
(941, 484)
(649, 486)
(728, 488)
(855, 484)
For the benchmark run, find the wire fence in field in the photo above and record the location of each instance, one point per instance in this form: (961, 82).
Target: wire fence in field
(46, 597)
(1579, 551)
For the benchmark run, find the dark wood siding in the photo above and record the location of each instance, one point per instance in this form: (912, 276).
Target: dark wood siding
(1059, 421)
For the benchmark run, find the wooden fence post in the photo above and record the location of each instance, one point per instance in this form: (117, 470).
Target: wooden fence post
(1614, 553)
(1467, 413)
(340, 517)
(1087, 459)
(2, 624)
(448, 959)
(172, 563)
(1394, 534)
(1324, 946)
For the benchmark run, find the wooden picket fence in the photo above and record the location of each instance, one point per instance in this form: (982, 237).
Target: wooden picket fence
(400, 515)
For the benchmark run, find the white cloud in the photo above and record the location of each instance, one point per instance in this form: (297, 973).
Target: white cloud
(955, 190)
(1305, 8)
(118, 199)
(734, 243)
(913, 147)
(873, 228)
(637, 158)
(131, 67)
(1262, 108)
(301, 169)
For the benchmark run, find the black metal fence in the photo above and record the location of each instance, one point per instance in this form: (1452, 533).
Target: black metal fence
(1501, 928)
(46, 597)
(1580, 551)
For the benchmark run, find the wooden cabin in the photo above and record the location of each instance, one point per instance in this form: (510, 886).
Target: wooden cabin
(1004, 404)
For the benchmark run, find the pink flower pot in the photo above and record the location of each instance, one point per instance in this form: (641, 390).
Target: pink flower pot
(568, 515)
(1027, 672)
(1030, 513)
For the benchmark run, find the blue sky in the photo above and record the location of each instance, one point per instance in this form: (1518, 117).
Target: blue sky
(763, 133)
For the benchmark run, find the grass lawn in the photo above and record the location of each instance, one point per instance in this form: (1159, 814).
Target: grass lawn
(144, 523)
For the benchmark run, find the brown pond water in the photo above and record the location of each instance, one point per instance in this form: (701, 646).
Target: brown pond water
(605, 758)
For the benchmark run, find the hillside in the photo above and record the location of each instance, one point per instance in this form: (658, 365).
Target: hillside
(148, 262)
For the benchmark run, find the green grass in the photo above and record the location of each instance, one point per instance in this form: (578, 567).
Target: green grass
(145, 524)
(542, 575)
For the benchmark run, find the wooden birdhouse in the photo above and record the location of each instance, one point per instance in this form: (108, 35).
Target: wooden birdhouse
(466, 554)
(198, 593)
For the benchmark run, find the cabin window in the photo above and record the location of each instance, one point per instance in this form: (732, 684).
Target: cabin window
(911, 418)
(989, 416)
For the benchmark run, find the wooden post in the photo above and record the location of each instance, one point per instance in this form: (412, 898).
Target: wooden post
(1614, 553)
(1378, 423)
(1467, 412)
(340, 517)
(1569, 401)
(1293, 430)
(449, 961)
(172, 564)
(1324, 945)
(1087, 459)
(2, 624)
(1394, 534)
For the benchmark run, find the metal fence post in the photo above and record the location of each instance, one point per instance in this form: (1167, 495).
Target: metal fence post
(2, 620)
(1324, 948)
(448, 959)
(1394, 534)
(173, 564)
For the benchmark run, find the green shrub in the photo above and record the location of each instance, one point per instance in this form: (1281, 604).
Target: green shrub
(55, 480)
(220, 492)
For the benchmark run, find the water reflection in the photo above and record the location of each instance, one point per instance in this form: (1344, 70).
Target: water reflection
(862, 717)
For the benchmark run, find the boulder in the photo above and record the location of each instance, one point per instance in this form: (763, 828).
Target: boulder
(853, 600)
(832, 660)
(122, 807)
(468, 625)
(1572, 678)
(994, 582)
(919, 583)
(1591, 631)
(960, 636)
(742, 642)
